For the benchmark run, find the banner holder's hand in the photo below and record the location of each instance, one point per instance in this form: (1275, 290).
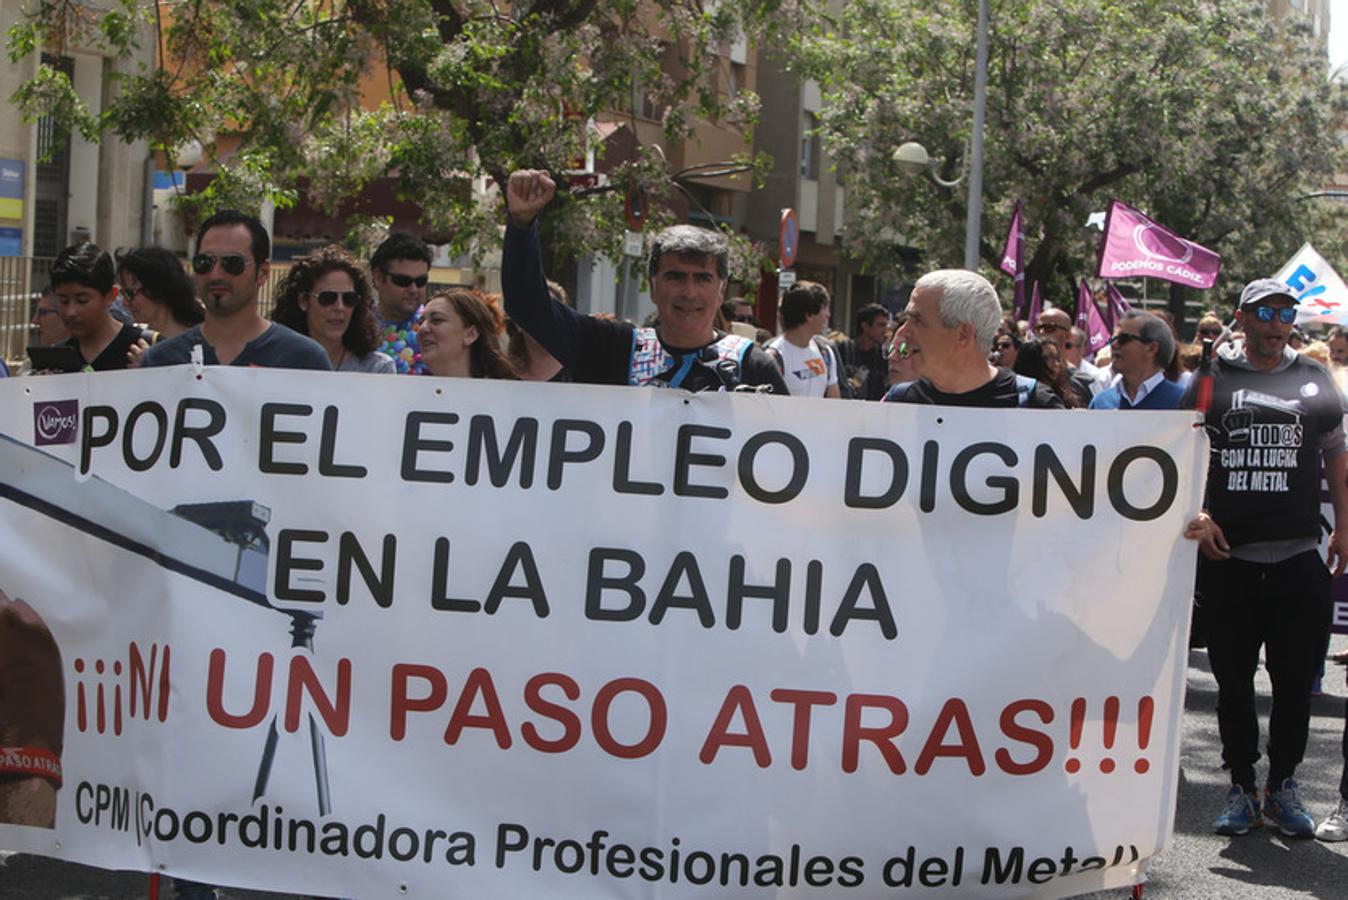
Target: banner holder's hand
(1211, 541)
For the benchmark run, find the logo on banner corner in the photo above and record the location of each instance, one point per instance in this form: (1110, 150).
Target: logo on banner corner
(55, 422)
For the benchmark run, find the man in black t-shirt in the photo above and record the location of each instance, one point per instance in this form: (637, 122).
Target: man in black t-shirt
(1261, 580)
(688, 268)
(863, 357)
(953, 315)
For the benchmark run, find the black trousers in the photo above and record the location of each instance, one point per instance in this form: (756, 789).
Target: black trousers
(1343, 779)
(1283, 607)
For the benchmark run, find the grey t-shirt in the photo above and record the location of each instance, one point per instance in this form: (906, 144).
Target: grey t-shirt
(278, 347)
(374, 361)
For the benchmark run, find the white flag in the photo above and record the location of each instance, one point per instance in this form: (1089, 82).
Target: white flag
(1322, 295)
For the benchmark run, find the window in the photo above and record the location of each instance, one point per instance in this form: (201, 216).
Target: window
(809, 146)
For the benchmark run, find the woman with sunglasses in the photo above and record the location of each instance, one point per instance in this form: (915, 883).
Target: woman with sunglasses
(1144, 359)
(327, 296)
(1042, 361)
(159, 291)
(1005, 349)
(460, 336)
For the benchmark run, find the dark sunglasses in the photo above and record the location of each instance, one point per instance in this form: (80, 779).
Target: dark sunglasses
(1068, 345)
(1286, 315)
(327, 298)
(232, 263)
(1123, 339)
(1210, 332)
(403, 281)
(1003, 346)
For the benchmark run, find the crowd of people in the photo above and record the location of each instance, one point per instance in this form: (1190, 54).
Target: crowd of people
(1262, 582)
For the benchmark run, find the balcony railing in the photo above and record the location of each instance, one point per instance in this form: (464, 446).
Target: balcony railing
(21, 280)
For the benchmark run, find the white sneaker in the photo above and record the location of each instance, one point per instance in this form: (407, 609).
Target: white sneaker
(1335, 828)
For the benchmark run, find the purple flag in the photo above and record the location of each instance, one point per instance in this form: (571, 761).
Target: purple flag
(1013, 260)
(1116, 307)
(1134, 245)
(1036, 307)
(1097, 332)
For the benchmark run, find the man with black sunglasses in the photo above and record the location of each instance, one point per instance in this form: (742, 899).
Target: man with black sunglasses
(231, 265)
(1273, 414)
(400, 269)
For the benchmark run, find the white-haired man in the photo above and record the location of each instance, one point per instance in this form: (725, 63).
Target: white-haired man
(953, 317)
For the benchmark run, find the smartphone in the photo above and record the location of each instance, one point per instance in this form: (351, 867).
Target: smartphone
(60, 358)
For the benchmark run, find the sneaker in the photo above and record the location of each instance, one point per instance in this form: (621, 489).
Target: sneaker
(1240, 814)
(1283, 808)
(1335, 828)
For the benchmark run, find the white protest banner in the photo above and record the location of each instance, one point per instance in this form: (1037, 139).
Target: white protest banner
(359, 636)
(1320, 292)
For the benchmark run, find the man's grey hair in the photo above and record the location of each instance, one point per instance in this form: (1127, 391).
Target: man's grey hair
(966, 297)
(689, 240)
(1154, 328)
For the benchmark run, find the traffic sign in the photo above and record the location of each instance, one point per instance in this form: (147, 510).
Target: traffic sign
(786, 278)
(788, 238)
(635, 207)
(632, 244)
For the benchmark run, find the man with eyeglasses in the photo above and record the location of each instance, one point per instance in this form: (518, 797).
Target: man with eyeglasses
(400, 269)
(231, 265)
(1274, 413)
(1142, 347)
(51, 328)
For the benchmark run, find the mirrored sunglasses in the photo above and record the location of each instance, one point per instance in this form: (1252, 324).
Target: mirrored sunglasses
(1286, 314)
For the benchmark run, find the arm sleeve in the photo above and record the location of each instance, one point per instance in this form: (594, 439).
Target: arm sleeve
(1331, 442)
(1043, 398)
(525, 289)
(760, 369)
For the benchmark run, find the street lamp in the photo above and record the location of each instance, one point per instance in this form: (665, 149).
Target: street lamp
(912, 158)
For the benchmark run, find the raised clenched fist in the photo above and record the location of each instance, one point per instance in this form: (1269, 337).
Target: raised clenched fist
(527, 192)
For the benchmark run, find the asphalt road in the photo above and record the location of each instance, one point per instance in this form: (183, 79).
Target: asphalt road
(1200, 865)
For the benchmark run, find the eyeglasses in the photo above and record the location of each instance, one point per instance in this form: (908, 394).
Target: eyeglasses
(232, 263)
(129, 292)
(1123, 339)
(1210, 332)
(327, 298)
(1286, 314)
(1003, 346)
(403, 281)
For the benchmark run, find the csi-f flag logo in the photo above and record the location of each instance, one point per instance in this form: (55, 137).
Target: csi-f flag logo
(1320, 292)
